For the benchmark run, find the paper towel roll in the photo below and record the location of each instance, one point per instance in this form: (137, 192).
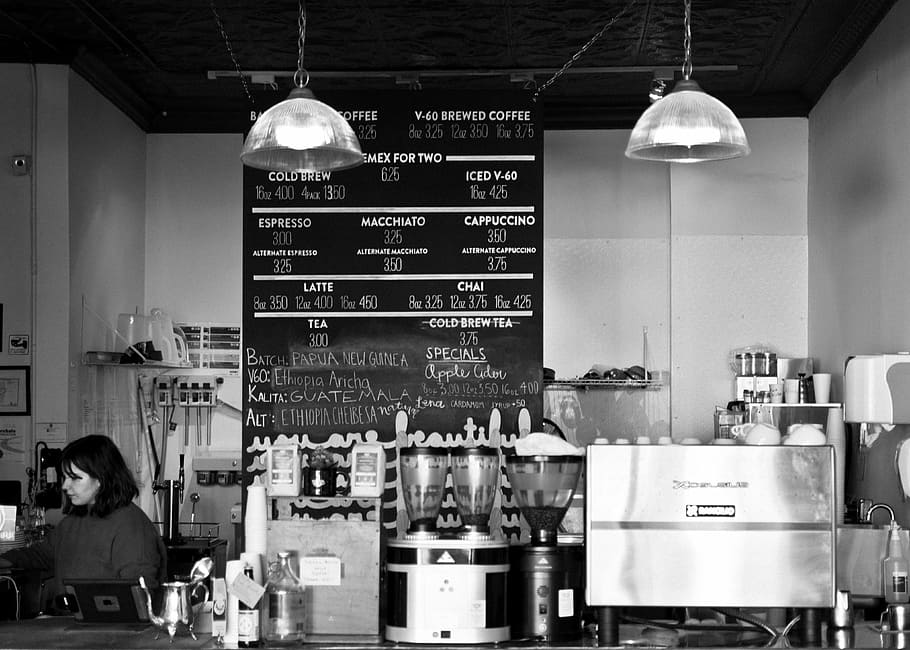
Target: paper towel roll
(837, 438)
(232, 569)
(255, 517)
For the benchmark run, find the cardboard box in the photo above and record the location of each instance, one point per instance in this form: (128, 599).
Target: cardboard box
(340, 563)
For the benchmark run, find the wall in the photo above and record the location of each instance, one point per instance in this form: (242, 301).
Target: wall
(720, 248)
(107, 218)
(16, 219)
(739, 260)
(34, 255)
(106, 270)
(194, 272)
(606, 280)
(859, 231)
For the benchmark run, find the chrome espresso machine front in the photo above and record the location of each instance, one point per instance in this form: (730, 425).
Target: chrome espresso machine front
(665, 522)
(448, 587)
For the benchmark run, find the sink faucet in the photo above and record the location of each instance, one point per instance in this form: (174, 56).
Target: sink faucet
(872, 509)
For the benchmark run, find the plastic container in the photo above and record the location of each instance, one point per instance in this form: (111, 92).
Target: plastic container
(283, 475)
(367, 470)
(286, 597)
(895, 569)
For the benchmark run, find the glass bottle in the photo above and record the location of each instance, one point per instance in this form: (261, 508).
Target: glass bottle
(247, 619)
(287, 604)
(895, 569)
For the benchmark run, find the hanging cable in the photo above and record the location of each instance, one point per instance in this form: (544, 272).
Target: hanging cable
(584, 48)
(227, 43)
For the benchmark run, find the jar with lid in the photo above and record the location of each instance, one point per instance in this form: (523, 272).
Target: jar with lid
(743, 364)
(769, 364)
(286, 597)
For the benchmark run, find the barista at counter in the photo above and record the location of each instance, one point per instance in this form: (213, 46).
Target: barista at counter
(103, 534)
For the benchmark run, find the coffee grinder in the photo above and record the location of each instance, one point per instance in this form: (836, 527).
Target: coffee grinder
(448, 587)
(546, 588)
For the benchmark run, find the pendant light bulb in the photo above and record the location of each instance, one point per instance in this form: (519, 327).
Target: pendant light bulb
(688, 125)
(301, 134)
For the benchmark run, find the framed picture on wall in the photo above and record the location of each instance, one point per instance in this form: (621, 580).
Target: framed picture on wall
(15, 394)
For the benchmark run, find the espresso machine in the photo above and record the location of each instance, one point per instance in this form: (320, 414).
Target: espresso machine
(546, 588)
(448, 587)
(737, 526)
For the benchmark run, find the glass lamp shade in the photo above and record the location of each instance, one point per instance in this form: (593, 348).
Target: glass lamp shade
(301, 134)
(688, 125)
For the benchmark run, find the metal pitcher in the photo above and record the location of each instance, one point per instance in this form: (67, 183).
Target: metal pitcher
(177, 615)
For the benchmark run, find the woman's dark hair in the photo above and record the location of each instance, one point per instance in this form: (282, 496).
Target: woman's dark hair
(100, 458)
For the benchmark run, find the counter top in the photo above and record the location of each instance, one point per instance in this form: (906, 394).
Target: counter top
(65, 632)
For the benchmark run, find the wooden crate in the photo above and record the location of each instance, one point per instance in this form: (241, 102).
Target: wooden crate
(345, 606)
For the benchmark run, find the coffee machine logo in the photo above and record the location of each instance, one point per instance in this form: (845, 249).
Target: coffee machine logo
(693, 510)
(688, 485)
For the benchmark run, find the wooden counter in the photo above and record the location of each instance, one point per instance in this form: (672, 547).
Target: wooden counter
(64, 632)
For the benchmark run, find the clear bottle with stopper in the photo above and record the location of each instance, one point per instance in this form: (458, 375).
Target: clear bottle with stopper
(895, 569)
(287, 605)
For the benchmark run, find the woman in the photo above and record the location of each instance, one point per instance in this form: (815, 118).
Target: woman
(104, 534)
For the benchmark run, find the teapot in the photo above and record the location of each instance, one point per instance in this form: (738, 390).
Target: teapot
(756, 433)
(177, 613)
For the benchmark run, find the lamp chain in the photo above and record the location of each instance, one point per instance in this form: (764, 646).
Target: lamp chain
(584, 48)
(301, 77)
(687, 42)
(227, 43)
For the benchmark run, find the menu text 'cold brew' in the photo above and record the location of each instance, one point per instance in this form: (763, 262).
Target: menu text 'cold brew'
(412, 283)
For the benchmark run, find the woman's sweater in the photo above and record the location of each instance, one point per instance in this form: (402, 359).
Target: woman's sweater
(124, 544)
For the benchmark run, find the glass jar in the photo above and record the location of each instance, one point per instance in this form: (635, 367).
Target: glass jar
(743, 365)
(285, 595)
(769, 364)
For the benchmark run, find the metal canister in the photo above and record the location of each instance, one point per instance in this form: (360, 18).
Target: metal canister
(743, 365)
(755, 361)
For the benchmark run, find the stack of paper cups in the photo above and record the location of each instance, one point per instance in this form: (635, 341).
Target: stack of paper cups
(837, 438)
(254, 522)
(232, 569)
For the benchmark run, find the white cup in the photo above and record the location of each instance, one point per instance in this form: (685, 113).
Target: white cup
(777, 392)
(821, 382)
(791, 391)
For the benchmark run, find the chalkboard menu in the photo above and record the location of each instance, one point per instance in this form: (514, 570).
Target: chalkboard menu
(412, 283)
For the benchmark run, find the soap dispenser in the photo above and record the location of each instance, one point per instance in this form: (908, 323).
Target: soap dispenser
(895, 569)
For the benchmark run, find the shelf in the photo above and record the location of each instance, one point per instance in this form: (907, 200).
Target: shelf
(611, 384)
(810, 405)
(95, 358)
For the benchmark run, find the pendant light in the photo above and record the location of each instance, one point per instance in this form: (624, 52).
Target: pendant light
(301, 134)
(687, 125)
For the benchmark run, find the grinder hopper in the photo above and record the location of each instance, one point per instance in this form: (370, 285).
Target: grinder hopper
(543, 487)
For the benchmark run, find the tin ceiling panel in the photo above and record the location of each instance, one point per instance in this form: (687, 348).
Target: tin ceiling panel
(764, 58)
